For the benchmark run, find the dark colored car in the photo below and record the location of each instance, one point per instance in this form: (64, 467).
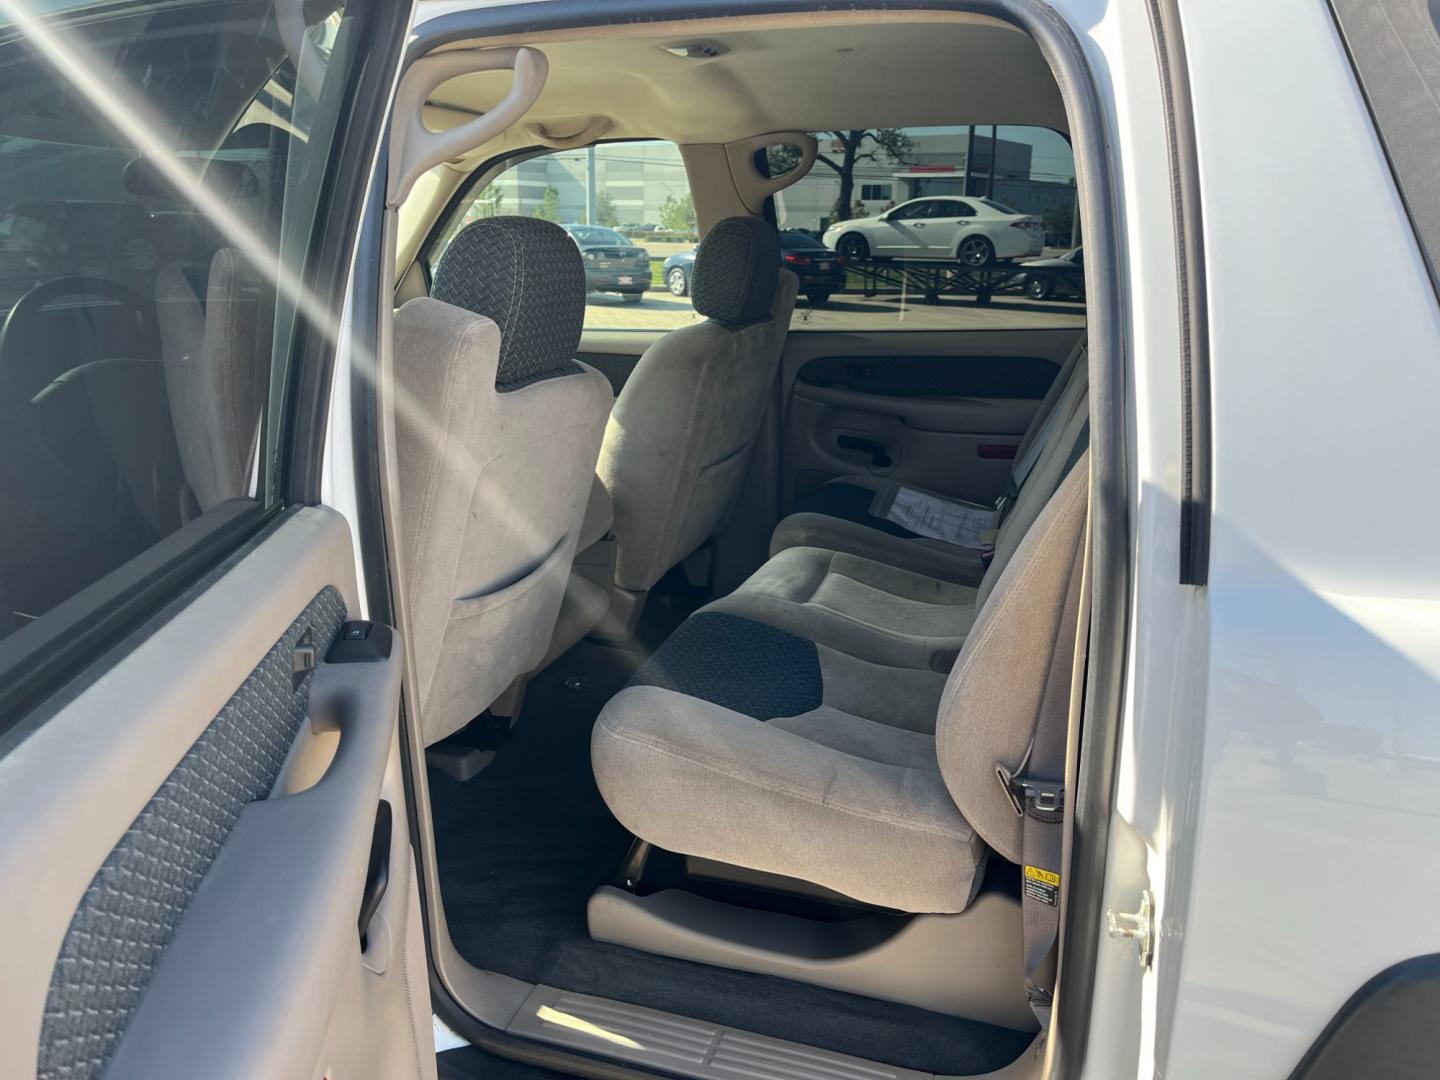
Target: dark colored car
(1063, 275)
(612, 262)
(820, 270)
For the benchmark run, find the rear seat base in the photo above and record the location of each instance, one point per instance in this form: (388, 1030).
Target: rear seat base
(968, 964)
(868, 609)
(918, 554)
(853, 804)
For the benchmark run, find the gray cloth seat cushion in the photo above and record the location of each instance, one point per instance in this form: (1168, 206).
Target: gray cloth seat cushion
(858, 606)
(698, 778)
(742, 742)
(918, 554)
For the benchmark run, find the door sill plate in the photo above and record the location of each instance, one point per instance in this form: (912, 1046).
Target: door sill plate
(676, 1044)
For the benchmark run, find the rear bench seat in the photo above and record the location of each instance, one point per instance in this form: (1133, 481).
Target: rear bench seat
(745, 743)
(884, 609)
(839, 718)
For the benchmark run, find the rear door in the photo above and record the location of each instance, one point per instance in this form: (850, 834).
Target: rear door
(206, 865)
(904, 232)
(909, 374)
(941, 409)
(943, 232)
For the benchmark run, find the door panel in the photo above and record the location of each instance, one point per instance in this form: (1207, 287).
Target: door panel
(614, 353)
(191, 779)
(943, 232)
(205, 810)
(918, 440)
(942, 410)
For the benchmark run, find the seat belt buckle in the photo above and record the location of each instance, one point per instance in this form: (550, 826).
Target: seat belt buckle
(1027, 793)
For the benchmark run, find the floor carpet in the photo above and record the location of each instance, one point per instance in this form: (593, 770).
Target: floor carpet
(522, 846)
(471, 1063)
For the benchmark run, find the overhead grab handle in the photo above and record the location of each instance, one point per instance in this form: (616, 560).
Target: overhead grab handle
(594, 128)
(415, 149)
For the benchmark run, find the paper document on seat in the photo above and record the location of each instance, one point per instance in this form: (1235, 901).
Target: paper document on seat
(924, 514)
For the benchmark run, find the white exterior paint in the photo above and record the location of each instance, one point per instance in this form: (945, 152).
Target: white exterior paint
(1276, 785)
(1311, 816)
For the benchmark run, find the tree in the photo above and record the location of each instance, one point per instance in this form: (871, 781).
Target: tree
(862, 144)
(605, 212)
(549, 208)
(487, 203)
(678, 215)
(1058, 223)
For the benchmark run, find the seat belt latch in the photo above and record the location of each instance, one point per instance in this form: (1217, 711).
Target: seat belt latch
(1004, 501)
(1031, 794)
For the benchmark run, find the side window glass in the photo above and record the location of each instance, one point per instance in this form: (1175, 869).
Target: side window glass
(627, 206)
(912, 211)
(994, 259)
(162, 179)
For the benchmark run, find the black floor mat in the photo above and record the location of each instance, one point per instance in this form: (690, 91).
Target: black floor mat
(470, 1063)
(522, 846)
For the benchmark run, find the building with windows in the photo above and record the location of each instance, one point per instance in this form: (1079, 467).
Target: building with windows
(630, 180)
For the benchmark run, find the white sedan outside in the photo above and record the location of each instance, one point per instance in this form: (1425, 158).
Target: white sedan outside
(965, 229)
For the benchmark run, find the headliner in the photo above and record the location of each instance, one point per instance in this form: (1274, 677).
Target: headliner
(903, 72)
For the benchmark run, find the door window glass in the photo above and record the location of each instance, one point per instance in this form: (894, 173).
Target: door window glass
(627, 206)
(913, 277)
(893, 176)
(163, 167)
(914, 211)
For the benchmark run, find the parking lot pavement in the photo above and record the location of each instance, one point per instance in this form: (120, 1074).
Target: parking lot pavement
(661, 311)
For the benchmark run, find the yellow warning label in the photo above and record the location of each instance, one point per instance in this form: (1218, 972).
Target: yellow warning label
(1034, 873)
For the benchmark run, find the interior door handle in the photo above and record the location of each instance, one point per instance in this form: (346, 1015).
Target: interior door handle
(377, 874)
(879, 456)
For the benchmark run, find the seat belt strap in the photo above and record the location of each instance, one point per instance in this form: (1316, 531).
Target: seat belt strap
(1037, 792)
(1025, 463)
(1020, 471)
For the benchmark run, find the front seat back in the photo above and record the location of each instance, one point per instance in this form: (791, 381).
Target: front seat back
(216, 315)
(498, 428)
(681, 433)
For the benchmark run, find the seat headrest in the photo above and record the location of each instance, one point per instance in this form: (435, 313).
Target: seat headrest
(527, 275)
(736, 270)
